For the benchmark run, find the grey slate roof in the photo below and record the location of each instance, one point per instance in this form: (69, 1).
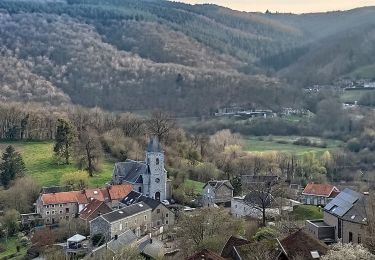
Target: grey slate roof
(125, 239)
(134, 197)
(349, 205)
(125, 212)
(217, 184)
(130, 171)
(154, 146)
(153, 248)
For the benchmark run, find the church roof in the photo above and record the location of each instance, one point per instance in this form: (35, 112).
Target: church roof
(130, 171)
(154, 146)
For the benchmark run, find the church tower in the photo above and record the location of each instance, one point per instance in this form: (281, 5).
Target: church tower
(157, 183)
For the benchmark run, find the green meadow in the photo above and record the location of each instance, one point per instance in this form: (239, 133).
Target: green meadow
(40, 164)
(285, 144)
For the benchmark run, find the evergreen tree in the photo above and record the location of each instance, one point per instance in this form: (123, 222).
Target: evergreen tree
(64, 140)
(12, 166)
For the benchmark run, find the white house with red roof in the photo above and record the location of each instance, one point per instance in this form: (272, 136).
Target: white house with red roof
(319, 194)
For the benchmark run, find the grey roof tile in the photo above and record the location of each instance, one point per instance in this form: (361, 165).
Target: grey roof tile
(126, 212)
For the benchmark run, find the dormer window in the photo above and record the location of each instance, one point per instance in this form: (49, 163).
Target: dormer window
(157, 161)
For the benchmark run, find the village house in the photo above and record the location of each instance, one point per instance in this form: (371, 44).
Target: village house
(148, 177)
(217, 192)
(298, 245)
(161, 217)
(318, 194)
(136, 217)
(345, 218)
(94, 209)
(54, 207)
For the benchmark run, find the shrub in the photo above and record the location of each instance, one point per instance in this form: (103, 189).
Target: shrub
(303, 141)
(354, 145)
(265, 233)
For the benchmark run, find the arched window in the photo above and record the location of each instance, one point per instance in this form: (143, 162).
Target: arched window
(157, 161)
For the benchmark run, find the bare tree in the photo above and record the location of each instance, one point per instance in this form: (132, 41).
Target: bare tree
(261, 196)
(160, 124)
(89, 151)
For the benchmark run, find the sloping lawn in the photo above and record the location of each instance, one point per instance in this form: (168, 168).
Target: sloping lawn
(38, 157)
(10, 247)
(304, 212)
(196, 185)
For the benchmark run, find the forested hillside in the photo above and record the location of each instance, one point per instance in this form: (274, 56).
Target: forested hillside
(143, 55)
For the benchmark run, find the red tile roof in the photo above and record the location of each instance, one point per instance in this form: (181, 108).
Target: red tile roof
(118, 192)
(325, 190)
(94, 194)
(64, 197)
(94, 208)
(115, 192)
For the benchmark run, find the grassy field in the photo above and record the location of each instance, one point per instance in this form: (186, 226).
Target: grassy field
(267, 144)
(304, 212)
(38, 157)
(354, 95)
(10, 247)
(366, 72)
(198, 186)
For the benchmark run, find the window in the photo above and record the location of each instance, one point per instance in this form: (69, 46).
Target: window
(67, 210)
(120, 226)
(350, 237)
(61, 212)
(158, 211)
(47, 212)
(157, 161)
(166, 215)
(126, 224)
(140, 189)
(48, 220)
(145, 217)
(166, 222)
(53, 212)
(359, 239)
(135, 221)
(158, 223)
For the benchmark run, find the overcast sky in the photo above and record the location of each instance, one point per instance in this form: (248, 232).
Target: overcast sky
(295, 6)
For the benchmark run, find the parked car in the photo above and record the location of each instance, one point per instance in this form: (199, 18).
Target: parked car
(165, 202)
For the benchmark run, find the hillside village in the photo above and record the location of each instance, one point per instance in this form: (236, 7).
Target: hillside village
(135, 214)
(152, 129)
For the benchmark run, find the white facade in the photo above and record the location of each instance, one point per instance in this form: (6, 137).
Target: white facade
(156, 184)
(240, 209)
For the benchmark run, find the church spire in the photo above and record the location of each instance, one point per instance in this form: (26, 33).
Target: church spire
(154, 145)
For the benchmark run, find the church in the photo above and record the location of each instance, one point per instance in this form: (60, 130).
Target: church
(148, 177)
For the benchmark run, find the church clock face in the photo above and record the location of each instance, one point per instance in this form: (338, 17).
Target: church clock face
(157, 180)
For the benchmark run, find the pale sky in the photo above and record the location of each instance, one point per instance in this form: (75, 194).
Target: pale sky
(294, 6)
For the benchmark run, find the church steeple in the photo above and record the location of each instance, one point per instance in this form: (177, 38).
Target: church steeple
(158, 176)
(154, 145)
